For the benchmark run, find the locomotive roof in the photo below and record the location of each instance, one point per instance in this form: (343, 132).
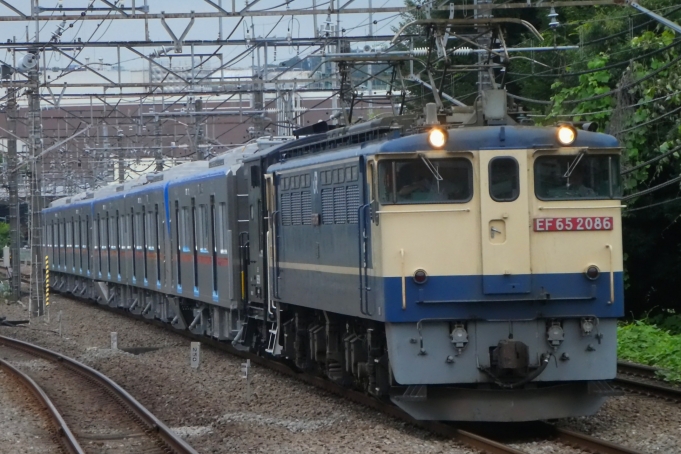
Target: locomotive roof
(463, 139)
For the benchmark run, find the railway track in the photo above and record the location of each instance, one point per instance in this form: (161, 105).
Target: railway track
(546, 431)
(90, 411)
(640, 379)
(473, 436)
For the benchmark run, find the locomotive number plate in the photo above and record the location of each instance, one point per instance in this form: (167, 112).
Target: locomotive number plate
(570, 224)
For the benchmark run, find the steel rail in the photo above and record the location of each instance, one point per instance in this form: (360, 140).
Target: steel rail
(648, 389)
(153, 424)
(641, 370)
(63, 433)
(589, 443)
(657, 389)
(550, 432)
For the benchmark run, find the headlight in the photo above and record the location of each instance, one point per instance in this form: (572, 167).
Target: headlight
(437, 137)
(566, 134)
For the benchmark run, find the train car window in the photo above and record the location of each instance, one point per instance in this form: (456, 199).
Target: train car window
(99, 246)
(69, 243)
(410, 181)
(184, 230)
(202, 229)
(222, 227)
(52, 241)
(121, 230)
(214, 249)
(113, 237)
(143, 245)
(157, 235)
(195, 247)
(81, 234)
(137, 234)
(148, 231)
(132, 238)
(72, 238)
(339, 176)
(76, 233)
(62, 242)
(577, 177)
(504, 179)
(87, 239)
(178, 239)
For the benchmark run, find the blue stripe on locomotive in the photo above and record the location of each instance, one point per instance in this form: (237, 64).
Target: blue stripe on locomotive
(461, 297)
(454, 297)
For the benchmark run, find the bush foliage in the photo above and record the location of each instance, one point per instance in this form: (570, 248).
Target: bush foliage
(645, 343)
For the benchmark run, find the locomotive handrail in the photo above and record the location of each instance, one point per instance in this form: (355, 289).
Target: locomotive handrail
(593, 207)
(275, 252)
(361, 222)
(612, 276)
(457, 210)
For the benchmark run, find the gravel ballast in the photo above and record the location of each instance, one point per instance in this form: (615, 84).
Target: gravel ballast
(209, 407)
(24, 426)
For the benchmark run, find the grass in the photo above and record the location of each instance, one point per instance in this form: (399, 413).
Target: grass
(644, 342)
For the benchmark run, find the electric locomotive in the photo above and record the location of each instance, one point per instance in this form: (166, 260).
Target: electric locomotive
(462, 265)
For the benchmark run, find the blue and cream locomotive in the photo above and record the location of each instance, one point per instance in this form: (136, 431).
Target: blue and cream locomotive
(465, 270)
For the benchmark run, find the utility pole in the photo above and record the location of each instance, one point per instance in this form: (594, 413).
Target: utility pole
(14, 212)
(37, 302)
(197, 126)
(485, 75)
(121, 161)
(158, 143)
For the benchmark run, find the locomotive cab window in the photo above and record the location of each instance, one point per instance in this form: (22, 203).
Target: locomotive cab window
(577, 177)
(504, 181)
(410, 181)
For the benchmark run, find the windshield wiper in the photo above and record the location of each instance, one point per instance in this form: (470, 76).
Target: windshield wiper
(573, 165)
(431, 167)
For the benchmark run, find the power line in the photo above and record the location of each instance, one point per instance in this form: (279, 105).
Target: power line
(625, 86)
(595, 70)
(654, 120)
(654, 204)
(651, 161)
(653, 189)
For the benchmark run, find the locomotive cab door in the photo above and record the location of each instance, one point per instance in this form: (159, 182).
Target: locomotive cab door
(504, 211)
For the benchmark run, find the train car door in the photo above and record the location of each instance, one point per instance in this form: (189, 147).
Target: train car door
(504, 211)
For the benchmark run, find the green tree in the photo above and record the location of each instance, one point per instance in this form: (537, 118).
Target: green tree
(4, 234)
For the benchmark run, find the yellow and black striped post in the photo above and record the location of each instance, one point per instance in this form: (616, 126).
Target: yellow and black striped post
(47, 280)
